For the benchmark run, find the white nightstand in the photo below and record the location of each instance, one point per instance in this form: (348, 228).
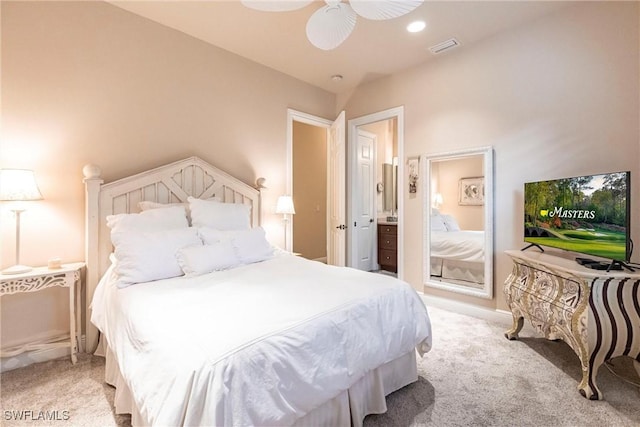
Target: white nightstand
(41, 278)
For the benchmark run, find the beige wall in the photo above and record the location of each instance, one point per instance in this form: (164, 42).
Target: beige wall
(557, 97)
(310, 190)
(87, 82)
(447, 175)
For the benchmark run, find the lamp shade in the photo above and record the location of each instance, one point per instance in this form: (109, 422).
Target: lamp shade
(285, 205)
(18, 185)
(437, 200)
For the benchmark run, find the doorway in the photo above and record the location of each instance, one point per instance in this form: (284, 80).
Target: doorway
(341, 191)
(335, 178)
(362, 240)
(309, 174)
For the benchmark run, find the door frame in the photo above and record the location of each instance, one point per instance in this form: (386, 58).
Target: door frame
(352, 134)
(297, 116)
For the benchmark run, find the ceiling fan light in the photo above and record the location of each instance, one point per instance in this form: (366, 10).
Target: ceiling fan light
(416, 26)
(330, 25)
(276, 5)
(379, 10)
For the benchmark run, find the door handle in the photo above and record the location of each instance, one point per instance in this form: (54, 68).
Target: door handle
(370, 219)
(341, 227)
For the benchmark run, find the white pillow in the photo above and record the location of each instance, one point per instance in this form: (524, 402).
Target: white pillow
(152, 220)
(150, 255)
(146, 205)
(250, 245)
(451, 223)
(196, 260)
(220, 216)
(437, 223)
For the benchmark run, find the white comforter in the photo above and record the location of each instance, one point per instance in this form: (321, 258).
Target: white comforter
(462, 245)
(262, 344)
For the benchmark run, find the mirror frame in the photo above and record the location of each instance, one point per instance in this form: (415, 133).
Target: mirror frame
(427, 160)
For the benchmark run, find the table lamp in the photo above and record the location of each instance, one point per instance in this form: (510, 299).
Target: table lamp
(18, 185)
(285, 207)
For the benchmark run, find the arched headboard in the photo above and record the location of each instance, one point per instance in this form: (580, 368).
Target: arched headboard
(171, 183)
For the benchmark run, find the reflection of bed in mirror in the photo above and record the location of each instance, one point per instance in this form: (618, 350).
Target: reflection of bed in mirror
(457, 256)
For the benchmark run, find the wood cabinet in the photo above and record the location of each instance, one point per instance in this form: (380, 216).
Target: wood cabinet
(596, 313)
(388, 247)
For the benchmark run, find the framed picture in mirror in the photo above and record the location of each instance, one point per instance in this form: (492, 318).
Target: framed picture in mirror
(471, 191)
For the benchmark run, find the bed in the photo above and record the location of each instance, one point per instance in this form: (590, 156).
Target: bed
(456, 255)
(263, 338)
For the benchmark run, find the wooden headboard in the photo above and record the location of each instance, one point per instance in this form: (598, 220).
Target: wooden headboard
(172, 183)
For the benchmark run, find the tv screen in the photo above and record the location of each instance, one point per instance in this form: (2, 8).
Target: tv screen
(585, 214)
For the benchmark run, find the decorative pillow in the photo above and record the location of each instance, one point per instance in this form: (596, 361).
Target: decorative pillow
(145, 256)
(451, 223)
(220, 216)
(196, 260)
(250, 245)
(437, 223)
(152, 220)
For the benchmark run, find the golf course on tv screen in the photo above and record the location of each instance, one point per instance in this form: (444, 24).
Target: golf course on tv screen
(587, 214)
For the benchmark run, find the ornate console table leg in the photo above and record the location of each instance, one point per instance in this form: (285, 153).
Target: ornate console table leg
(510, 288)
(518, 323)
(588, 387)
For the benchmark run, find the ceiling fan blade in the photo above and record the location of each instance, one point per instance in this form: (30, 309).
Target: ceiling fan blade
(379, 10)
(276, 5)
(330, 25)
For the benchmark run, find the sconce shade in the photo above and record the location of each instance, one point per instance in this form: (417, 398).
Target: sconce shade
(18, 185)
(285, 205)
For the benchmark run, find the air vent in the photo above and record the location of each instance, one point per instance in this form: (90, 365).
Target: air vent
(445, 45)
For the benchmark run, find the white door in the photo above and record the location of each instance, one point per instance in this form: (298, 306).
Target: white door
(336, 193)
(364, 209)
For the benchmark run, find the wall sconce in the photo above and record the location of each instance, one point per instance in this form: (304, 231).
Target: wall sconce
(285, 207)
(17, 185)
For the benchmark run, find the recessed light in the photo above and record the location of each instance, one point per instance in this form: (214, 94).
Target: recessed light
(336, 77)
(416, 26)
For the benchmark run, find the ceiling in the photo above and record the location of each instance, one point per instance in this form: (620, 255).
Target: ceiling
(374, 49)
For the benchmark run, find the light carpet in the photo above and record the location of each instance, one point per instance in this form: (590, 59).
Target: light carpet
(473, 376)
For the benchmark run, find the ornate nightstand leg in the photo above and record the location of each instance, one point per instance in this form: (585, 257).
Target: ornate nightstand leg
(518, 323)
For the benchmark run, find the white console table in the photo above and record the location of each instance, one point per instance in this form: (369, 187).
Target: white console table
(41, 278)
(596, 313)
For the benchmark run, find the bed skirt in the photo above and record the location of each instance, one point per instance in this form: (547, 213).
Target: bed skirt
(468, 271)
(366, 396)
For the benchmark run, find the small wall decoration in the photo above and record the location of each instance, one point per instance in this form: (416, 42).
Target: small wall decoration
(471, 191)
(413, 167)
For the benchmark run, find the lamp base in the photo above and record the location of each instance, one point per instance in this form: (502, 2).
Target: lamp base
(17, 269)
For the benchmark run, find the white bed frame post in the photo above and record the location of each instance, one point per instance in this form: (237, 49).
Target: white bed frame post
(92, 183)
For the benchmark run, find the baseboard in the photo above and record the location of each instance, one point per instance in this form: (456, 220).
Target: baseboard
(31, 357)
(501, 317)
(41, 355)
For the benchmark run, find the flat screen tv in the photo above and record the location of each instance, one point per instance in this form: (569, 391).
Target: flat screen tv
(585, 214)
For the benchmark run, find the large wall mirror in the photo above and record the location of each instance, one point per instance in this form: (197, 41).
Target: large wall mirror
(458, 221)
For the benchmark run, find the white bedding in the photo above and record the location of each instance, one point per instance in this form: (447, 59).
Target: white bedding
(462, 245)
(264, 343)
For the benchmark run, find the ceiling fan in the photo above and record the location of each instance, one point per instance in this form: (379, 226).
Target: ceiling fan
(330, 25)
